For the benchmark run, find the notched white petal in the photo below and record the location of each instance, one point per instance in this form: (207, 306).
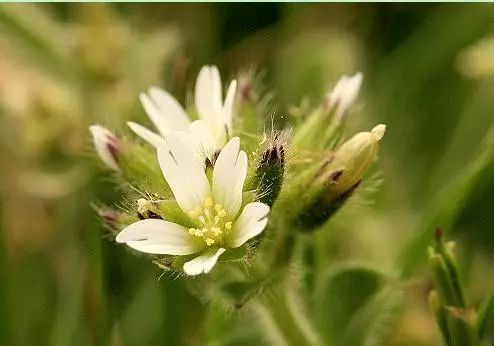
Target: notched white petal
(149, 136)
(175, 117)
(250, 223)
(228, 105)
(157, 237)
(185, 174)
(203, 264)
(229, 175)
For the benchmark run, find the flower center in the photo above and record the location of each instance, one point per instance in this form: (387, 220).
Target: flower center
(213, 222)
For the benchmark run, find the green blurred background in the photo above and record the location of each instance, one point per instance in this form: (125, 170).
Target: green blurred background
(429, 75)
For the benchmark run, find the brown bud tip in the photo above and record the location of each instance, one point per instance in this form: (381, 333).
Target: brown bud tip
(439, 233)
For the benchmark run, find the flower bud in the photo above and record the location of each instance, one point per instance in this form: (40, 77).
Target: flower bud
(107, 145)
(147, 209)
(442, 264)
(114, 220)
(269, 173)
(338, 177)
(343, 95)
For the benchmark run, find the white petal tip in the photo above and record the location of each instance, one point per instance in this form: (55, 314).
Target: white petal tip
(379, 131)
(202, 264)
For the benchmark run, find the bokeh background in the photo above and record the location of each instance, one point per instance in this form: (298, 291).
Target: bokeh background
(429, 75)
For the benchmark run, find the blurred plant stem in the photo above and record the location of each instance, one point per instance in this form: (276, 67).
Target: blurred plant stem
(445, 209)
(283, 321)
(4, 312)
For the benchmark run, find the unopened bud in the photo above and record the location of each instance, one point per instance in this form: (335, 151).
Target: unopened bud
(107, 145)
(338, 177)
(343, 95)
(269, 173)
(147, 209)
(114, 220)
(442, 264)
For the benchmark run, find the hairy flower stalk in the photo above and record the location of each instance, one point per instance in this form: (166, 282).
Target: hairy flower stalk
(215, 218)
(206, 135)
(107, 145)
(335, 179)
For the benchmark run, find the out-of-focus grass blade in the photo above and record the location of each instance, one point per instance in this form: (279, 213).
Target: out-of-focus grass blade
(39, 37)
(444, 210)
(4, 316)
(67, 320)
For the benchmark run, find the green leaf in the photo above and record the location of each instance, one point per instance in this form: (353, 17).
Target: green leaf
(339, 296)
(371, 324)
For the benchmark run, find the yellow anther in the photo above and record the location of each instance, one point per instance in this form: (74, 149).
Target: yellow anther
(208, 202)
(192, 231)
(216, 230)
(209, 241)
(222, 213)
(218, 207)
(228, 225)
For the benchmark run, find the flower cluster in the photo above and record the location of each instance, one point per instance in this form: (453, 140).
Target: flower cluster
(215, 197)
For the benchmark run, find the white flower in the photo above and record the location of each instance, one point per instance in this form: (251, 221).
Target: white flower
(206, 135)
(217, 220)
(344, 94)
(106, 145)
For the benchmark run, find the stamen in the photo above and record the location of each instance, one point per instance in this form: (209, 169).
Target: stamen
(216, 230)
(202, 220)
(222, 213)
(208, 202)
(209, 241)
(228, 225)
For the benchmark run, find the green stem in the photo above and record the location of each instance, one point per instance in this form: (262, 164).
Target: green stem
(285, 324)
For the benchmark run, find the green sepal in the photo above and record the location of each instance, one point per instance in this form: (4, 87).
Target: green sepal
(439, 314)
(461, 324)
(140, 168)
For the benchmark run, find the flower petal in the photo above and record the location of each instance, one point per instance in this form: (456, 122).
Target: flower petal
(208, 98)
(176, 117)
(344, 94)
(229, 175)
(228, 105)
(149, 136)
(250, 223)
(203, 139)
(157, 237)
(184, 173)
(105, 143)
(203, 263)
(164, 111)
